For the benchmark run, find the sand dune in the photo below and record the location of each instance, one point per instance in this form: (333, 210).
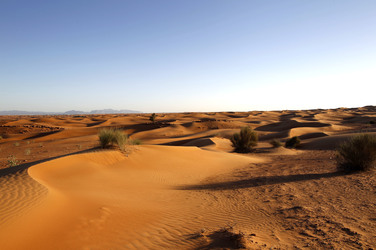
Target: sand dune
(329, 142)
(106, 189)
(184, 188)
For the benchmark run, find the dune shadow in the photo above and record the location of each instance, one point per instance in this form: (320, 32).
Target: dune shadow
(202, 141)
(141, 127)
(260, 181)
(43, 134)
(94, 124)
(290, 124)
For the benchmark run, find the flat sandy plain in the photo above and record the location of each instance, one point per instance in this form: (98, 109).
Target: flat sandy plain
(184, 188)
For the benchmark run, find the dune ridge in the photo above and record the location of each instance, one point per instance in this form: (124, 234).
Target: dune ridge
(184, 188)
(129, 196)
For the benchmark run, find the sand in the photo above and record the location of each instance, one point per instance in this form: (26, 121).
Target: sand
(184, 187)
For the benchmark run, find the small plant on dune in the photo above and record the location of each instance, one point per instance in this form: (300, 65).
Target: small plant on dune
(135, 142)
(293, 142)
(234, 240)
(152, 117)
(120, 139)
(1, 137)
(357, 154)
(106, 137)
(275, 143)
(244, 141)
(12, 161)
(27, 151)
(110, 137)
(16, 144)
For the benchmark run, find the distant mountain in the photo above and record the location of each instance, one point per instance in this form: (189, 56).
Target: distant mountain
(73, 112)
(113, 111)
(70, 112)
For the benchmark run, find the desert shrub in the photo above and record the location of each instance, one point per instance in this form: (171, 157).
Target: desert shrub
(110, 137)
(135, 142)
(293, 142)
(12, 161)
(245, 140)
(275, 143)
(27, 151)
(152, 117)
(16, 144)
(234, 240)
(120, 139)
(1, 137)
(106, 137)
(357, 154)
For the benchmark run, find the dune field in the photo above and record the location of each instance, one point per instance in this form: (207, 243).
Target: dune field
(184, 187)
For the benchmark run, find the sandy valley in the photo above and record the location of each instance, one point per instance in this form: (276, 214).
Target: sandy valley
(184, 187)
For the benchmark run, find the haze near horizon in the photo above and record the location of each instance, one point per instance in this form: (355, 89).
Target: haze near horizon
(177, 56)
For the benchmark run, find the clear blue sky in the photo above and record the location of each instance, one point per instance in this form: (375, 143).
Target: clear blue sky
(193, 55)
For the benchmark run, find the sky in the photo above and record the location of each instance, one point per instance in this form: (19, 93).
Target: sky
(187, 56)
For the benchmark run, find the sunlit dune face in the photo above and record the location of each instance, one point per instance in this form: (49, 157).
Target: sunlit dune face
(184, 186)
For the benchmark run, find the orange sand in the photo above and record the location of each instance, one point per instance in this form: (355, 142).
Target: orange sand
(184, 187)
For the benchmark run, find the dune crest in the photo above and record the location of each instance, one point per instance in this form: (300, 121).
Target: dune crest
(105, 199)
(184, 187)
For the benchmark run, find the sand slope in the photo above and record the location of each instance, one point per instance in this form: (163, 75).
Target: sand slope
(106, 200)
(185, 188)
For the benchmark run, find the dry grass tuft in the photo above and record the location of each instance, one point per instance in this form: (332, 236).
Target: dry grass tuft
(293, 142)
(275, 143)
(12, 161)
(110, 137)
(245, 141)
(357, 154)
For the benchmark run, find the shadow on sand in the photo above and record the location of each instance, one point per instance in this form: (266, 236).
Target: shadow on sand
(260, 181)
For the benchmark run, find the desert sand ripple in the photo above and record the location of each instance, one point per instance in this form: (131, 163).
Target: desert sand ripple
(18, 194)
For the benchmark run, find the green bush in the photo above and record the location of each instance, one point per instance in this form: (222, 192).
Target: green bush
(245, 140)
(110, 137)
(357, 154)
(275, 143)
(293, 142)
